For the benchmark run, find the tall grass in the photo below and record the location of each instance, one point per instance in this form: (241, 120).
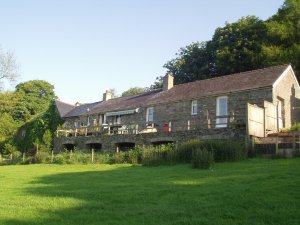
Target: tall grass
(201, 153)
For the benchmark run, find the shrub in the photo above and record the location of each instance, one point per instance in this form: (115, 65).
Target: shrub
(42, 157)
(16, 157)
(202, 158)
(118, 158)
(157, 155)
(184, 153)
(78, 157)
(295, 127)
(59, 159)
(223, 150)
(135, 156)
(102, 158)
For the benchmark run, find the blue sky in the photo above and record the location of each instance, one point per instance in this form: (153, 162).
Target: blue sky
(84, 47)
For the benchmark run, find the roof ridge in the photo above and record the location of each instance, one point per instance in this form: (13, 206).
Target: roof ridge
(233, 74)
(58, 100)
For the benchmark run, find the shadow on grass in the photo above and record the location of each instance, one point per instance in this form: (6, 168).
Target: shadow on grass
(162, 195)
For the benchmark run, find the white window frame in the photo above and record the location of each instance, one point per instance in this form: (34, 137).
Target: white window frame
(118, 119)
(88, 121)
(221, 122)
(194, 107)
(279, 113)
(150, 114)
(94, 122)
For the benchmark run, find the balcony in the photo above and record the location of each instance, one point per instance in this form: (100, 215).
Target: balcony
(104, 129)
(174, 125)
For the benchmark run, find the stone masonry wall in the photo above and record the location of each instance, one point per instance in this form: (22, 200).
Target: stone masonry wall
(179, 113)
(110, 142)
(288, 91)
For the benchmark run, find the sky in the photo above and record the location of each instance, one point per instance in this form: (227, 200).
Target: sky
(85, 47)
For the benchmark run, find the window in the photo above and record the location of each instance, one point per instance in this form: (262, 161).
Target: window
(222, 112)
(194, 107)
(150, 114)
(102, 119)
(94, 122)
(76, 124)
(280, 117)
(88, 121)
(118, 119)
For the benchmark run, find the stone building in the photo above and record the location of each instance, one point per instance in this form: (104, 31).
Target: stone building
(212, 108)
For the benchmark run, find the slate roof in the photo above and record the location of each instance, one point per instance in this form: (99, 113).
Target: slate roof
(221, 85)
(63, 108)
(81, 109)
(202, 88)
(124, 103)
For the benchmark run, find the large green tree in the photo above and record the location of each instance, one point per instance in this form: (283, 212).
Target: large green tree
(134, 91)
(283, 44)
(37, 95)
(238, 46)
(247, 44)
(193, 62)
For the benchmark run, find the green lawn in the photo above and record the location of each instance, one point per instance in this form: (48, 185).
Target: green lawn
(254, 191)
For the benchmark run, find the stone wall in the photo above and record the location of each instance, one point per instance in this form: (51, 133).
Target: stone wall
(110, 142)
(179, 113)
(287, 90)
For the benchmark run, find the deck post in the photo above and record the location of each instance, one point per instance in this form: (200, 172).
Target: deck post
(294, 141)
(276, 145)
(52, 156)
(299, 143)
(92, 155)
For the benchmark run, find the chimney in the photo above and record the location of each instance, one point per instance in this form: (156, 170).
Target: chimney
(107, 95)
(168, 81)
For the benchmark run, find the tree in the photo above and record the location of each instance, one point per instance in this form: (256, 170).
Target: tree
(283, 44)
(158, 83)
(134, 91)
(238, 46)
(9, 69)
(193, 62)
(247, 44)
(37, 95)
(8, 128)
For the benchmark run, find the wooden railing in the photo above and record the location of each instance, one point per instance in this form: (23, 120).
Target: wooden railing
(99, 130)
(168, 126)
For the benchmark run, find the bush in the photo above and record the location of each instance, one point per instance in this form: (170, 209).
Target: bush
(42, 157)
(102, 158)
(202, 159)
(157, 155)
(135, 155)
(184, 153)
(59, 159)
(118, 158)
(295, 127)
(78, 157)
(223, 150)
(16, 157)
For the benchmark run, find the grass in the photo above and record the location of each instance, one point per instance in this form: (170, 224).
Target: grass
(254, 191)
